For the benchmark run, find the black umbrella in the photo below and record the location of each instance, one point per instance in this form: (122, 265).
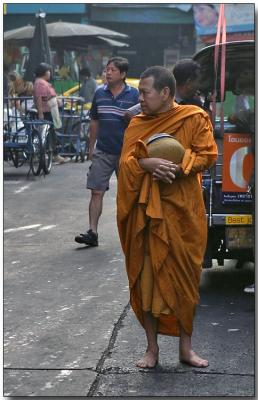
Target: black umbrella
(39, 47)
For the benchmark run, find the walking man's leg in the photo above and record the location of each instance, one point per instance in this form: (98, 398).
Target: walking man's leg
(98, 178)
(95, 209)
(90, 238)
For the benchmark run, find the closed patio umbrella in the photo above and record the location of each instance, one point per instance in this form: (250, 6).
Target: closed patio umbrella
(39, 47)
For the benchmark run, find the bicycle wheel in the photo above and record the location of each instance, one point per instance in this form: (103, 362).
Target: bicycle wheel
(36, 152)
(47, 153)
(18, 158)
(18, 155)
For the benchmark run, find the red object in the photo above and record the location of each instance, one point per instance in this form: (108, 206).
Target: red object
(220, 39)
(238, 162)
(231, 37)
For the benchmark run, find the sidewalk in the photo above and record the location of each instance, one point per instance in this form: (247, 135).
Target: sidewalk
(69, 330)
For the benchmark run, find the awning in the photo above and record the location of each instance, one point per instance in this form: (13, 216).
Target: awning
(151, 14)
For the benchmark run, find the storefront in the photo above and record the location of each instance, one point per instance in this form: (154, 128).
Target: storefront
(159, 34)
(66, 61)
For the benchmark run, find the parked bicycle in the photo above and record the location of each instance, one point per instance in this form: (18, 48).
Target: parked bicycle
(26, 139)
(73, 137)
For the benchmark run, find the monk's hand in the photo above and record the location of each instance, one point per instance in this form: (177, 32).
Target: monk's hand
(160, 168)
(165, 172)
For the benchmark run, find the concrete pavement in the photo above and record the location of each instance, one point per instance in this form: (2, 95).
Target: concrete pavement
(69, 330)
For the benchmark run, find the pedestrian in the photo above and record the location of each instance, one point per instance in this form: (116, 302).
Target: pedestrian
(27, 91)
(16, 86)
(103, 76)
(89, 85)
(187, 74)
(43, 91)
(161, 215)
(106, 129)
(6, 82)
(20, 88)
(188, 77)
(17, 83)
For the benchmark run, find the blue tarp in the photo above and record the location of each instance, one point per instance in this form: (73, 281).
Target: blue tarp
(56, 8)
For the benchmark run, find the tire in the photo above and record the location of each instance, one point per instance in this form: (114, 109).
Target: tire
(36, 153)
(81, 156)
(244, 257)
(18, 156)
(82, 152)
(47, 154)
(207, 261)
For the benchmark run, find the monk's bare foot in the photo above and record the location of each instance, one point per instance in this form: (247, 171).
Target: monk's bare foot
(149, 360)
(194, 360)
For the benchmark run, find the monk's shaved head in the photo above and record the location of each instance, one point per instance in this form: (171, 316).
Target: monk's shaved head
(162, 78)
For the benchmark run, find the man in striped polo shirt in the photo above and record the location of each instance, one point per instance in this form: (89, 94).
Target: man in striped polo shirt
(107, 128)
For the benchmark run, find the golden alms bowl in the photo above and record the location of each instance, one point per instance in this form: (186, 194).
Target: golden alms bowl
(163, 145)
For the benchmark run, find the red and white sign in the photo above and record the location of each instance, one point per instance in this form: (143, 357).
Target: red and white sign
(238, 162)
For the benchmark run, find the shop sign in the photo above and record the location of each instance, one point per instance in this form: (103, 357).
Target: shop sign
(238, 165)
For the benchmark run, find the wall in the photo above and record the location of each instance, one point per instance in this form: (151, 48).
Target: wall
(158, 34)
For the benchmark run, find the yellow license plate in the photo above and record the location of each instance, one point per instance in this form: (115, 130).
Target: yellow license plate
(239, 220)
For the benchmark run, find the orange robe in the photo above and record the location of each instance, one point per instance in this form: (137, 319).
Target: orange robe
(169, 220)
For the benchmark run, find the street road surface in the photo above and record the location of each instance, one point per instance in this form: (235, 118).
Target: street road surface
(69, 330)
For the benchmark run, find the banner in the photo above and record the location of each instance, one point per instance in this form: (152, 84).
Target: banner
(238, 162)
(239, 18)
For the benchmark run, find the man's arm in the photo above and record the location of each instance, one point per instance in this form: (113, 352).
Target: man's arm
(38, 102)
(93, 131)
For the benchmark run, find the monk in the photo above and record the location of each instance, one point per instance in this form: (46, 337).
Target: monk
(161, 215)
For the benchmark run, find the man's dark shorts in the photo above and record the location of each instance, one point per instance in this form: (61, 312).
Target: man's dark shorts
(102, 167)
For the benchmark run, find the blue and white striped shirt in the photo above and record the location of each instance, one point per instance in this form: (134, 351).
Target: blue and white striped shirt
(109, 111)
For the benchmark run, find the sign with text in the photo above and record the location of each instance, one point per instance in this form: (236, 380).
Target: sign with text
(239, 219)
(238, 162)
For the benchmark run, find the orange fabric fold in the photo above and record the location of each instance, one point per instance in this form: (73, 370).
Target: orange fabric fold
(170, 217)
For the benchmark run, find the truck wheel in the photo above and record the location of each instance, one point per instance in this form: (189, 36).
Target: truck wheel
(207, 261)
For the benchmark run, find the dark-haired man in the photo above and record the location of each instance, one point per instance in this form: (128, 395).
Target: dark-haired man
(107, 128)
(89, 85)
(161, 215)
(187, 74)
